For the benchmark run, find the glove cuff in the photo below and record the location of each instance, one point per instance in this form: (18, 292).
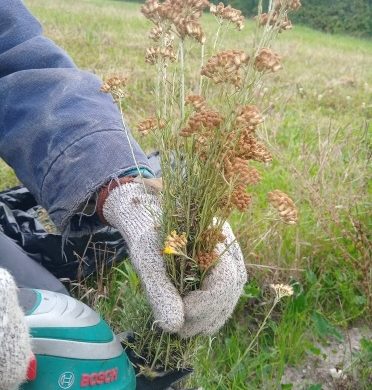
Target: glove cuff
(105, 191)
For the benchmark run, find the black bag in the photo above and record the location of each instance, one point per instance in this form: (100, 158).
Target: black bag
(73, 258)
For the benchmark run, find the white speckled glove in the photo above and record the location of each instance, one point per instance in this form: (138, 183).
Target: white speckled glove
(15, 347)
(207, 309)
(135, 212)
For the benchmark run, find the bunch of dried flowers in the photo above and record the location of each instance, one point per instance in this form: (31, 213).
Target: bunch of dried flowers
(208, 146)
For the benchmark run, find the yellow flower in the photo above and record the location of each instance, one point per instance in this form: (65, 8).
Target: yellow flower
(175, 243)
(168, 250)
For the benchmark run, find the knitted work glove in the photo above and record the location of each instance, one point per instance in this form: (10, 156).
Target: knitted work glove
(134, 211)
(15, 347)
(207, 309)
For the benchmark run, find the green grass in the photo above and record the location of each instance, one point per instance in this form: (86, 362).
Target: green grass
(318, 124)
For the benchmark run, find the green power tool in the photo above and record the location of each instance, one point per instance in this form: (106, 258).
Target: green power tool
(73, 347)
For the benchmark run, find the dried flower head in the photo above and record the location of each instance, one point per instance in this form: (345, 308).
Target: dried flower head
(240, 199)
(151, 10)
(175, 244)
(260, 153)
(284, 205)
(282, 290)
(197, 101)
(273, 19)
(267, 60)
(224, 67)
(151, 124)
(183, 14)
(206, 259)
(237, 169)
(116, 86)
(287, 5)
(248, 118)
(156, 32)
(202, 122)
(228, 13)
(155, 54)
(211, 237)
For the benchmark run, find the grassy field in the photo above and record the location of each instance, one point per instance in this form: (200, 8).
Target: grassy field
(318, 113)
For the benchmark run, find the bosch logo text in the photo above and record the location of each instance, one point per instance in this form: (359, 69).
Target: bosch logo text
(99, 378)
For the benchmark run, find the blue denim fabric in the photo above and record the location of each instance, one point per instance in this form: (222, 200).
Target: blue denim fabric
(62, 136)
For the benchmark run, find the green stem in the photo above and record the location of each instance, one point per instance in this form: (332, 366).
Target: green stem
(249, 348)
(157, 351)
(201, 66)
(182, 79)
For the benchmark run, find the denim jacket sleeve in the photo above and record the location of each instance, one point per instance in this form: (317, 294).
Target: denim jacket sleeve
(62, 136)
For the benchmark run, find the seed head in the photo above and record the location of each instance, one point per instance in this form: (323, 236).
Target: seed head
(288, 5)
(240, 199)
(237, 169)
(151, 10)
(211, 237)
(155, 54)
(267, 60)
(260, 153)
(248, 118)
(156, 32)
(197, 101)
(282, 290)
(229, 14)
(183, 14)
(150, 124)
(116, 86)
(224, 67)
(284, 205)
(273, 19)
(175, 243)
(206, 259)
(202, 122)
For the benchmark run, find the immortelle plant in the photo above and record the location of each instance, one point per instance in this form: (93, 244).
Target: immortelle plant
(204, 125)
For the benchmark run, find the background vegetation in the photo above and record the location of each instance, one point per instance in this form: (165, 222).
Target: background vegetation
(336, 16)
(318, 113)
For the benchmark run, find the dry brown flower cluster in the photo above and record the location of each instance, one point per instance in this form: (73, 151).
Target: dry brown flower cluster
(248, 118)
(284, 205)
(202, 122)
(212, 236)
(206, 259)
(149, 125)
(239, 169)
(266, 60)
(197, 102)
(290, 5)
(154, 54)
(116, 86)
(184, 15)
(228, 13)
(273, 19)
(226, 67)
(240, 199)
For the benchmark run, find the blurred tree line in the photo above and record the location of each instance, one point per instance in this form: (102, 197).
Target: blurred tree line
(333, 16)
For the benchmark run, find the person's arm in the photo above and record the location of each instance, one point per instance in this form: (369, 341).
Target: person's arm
(62, 136)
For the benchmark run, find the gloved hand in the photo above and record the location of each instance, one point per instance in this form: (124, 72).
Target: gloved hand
(136, 213)
(207, 309)
(15, 347)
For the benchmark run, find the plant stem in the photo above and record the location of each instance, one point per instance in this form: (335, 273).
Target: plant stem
(182, 78)
(249, 348)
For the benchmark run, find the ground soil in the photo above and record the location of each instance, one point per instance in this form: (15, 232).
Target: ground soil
(332, 369)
